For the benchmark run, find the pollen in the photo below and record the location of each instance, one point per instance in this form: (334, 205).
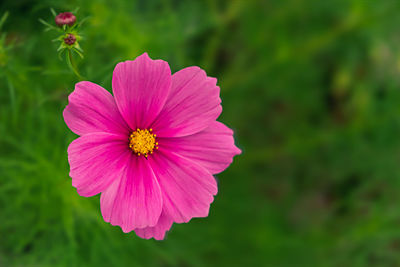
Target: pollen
(143, 142)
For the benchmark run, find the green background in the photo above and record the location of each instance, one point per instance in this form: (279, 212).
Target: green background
(311, 89)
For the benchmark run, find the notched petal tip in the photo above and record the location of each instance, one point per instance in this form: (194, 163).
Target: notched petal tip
(143, 58)
(238, 151)
(158, 231)
(145, 55)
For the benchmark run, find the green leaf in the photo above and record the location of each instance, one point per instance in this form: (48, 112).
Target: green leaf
(60, 54)
(49, 26)
(75, 10)
(3, 19)
(78, 47)
(82, 21)
(44, 23)
(53, 12)
(62, 46)
(78, 52)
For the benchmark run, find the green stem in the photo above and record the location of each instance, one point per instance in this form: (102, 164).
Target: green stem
(72, 66)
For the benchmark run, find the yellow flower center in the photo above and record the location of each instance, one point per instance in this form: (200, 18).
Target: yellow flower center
(143, 142)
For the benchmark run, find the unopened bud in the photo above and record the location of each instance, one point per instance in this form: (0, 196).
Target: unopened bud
(70, 39)
(66, 18)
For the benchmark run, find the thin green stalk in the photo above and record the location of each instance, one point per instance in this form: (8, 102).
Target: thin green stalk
(72, 66)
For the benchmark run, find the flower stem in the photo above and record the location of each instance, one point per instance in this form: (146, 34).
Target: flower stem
(71, 64)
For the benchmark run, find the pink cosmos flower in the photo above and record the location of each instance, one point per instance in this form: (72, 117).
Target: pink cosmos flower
(152, 149)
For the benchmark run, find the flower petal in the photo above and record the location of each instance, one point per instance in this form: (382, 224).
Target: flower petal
(134, 200)
(158, 231)
(96, 161)
(92, 109)
(141, 88)
(213, 148)
(193, 103)
(187, 187)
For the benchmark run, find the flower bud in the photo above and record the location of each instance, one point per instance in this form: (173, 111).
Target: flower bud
(70, 39)
(66, 18)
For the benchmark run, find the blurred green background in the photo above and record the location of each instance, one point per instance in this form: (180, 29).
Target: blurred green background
(311, 89)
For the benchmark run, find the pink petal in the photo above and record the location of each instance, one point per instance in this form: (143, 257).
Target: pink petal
(158, 231)
(141, 88)
(193, 103)
(92, 109)
(187, 187)
(96, 160)
(134, 200)
(213, 148)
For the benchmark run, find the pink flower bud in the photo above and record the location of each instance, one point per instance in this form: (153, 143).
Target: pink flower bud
(70, 39)
(66, 18)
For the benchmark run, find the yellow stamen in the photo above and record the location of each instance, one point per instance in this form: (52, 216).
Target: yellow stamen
(143, 142)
